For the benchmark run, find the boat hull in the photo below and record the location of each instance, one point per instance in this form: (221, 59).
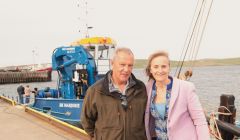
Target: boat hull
(68, 110)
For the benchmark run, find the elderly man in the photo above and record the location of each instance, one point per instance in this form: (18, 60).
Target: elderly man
(114, 107)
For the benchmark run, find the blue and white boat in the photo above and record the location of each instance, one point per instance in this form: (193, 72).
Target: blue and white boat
(78, 66)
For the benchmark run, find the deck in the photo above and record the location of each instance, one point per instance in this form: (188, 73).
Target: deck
(15, 123)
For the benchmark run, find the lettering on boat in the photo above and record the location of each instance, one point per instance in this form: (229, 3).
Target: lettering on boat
(69, 105)
(69, 50)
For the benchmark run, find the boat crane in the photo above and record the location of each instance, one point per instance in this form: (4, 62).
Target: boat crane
(79, 66)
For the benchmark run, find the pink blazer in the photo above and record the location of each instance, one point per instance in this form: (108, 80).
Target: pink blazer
(186, 119)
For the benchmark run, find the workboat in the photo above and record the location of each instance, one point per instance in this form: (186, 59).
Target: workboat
(78, 65)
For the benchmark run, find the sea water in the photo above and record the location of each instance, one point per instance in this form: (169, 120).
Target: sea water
(210, 82)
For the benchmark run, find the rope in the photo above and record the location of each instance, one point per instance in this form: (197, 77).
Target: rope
(214, 127)
(204, 26)
(185, 42)
(190, 39)
(178, 65)
(194, 42)
(192, 48)
(213, 124)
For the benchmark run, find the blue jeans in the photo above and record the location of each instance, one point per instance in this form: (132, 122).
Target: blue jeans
(27, 98)
(20, 98)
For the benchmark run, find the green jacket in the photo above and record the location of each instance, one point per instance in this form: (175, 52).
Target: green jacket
(104, 118)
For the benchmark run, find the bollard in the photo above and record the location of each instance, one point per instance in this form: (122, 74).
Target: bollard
(228, 102)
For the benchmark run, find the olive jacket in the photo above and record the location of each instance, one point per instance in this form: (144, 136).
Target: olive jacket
(103, 116)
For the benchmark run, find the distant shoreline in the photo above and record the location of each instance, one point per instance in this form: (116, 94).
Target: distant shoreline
(141, 63)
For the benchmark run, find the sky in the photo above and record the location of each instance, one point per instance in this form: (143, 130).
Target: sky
(31, 29)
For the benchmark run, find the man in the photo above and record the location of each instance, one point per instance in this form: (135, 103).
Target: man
(114, 106)
(20, 91)
(27, 93)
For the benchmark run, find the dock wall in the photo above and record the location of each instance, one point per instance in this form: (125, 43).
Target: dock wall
(24, 77)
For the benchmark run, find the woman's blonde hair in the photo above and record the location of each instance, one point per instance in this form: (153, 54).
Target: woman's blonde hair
(151, 57)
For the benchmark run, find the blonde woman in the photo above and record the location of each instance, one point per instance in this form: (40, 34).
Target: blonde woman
(173, 110)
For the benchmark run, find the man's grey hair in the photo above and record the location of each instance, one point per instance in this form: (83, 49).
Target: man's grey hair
(122, 49)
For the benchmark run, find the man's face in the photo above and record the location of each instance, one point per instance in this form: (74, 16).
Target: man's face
(122, 67)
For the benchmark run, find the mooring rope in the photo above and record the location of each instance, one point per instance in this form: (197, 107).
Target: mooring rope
(213, 124)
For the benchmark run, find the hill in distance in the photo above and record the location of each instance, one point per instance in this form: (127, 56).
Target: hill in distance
(141, 63)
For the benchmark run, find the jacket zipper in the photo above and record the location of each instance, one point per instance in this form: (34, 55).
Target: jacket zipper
(125, 114)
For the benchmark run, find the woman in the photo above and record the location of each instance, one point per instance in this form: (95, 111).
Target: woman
(173, 109)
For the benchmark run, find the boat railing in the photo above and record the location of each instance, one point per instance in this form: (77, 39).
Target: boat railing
(227, 130)
(16, 100)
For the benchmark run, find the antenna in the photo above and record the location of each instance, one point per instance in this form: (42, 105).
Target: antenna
(86, 26)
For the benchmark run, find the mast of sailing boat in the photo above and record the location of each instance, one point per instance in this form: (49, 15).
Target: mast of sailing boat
(193, 39)
(222, 128)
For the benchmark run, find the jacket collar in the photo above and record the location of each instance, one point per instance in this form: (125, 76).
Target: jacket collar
(174, 92)
(174, 95)
(107, 82)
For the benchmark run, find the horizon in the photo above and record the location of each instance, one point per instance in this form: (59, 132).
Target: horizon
(204, 59)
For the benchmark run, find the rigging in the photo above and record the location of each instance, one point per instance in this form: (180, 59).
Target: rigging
(194, 37)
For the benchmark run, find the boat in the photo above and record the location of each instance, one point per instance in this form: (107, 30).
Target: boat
(101, 48)
(78, 65)
(31, 67)
(40, 67)
(223, 127)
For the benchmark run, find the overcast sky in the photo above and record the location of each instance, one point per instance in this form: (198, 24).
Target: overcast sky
(145, 26)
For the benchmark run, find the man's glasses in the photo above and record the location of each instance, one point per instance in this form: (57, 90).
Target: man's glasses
(124, 102)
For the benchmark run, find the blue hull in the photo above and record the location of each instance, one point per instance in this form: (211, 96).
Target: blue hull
(68, 110)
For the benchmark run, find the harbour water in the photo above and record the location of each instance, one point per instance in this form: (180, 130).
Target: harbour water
(210, 83)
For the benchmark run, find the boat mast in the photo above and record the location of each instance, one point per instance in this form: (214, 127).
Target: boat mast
(193, 40)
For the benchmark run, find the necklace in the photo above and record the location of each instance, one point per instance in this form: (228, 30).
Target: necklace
(161, 89)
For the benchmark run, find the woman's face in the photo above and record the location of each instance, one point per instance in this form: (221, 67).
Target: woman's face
(160, 68)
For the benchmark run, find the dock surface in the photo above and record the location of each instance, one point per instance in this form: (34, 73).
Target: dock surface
(16, 124)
